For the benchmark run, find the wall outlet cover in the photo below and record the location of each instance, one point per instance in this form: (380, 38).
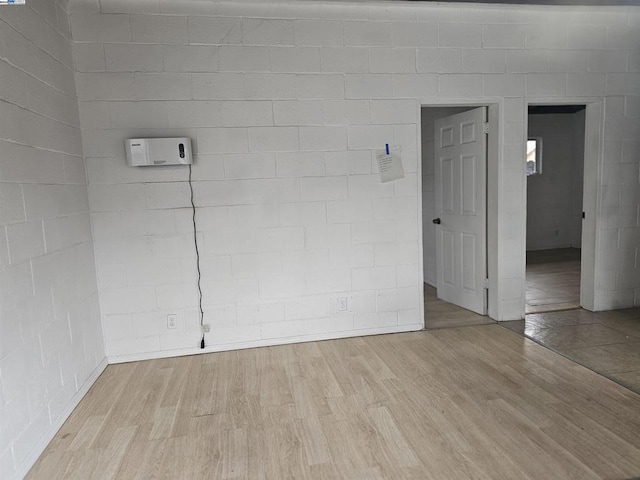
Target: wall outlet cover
(342, 304)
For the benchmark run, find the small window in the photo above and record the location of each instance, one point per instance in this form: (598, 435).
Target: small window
(534, 156)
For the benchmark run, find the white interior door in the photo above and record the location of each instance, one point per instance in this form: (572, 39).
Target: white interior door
(460, 187)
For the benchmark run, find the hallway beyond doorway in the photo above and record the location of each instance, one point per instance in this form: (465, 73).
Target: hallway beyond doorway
(553, 280)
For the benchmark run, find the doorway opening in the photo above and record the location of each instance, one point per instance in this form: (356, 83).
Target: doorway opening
(454, 147)
(555, 159)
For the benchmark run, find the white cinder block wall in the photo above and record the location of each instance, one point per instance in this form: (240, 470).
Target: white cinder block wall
(287, 104)
(51, 346)
(554, 198)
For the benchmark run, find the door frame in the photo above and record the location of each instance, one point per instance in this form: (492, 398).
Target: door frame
(495, 108)
(591, 195)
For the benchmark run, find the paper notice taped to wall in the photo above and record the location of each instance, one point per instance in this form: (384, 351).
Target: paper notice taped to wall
(390, 165)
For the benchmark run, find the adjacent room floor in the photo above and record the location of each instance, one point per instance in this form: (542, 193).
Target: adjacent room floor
(439, 314)
(471, 402)
(606, 342)
(553, 280)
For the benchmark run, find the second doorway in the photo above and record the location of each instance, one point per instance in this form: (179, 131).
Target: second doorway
(555, 177)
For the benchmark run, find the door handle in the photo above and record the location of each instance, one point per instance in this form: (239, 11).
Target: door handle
(436, 221)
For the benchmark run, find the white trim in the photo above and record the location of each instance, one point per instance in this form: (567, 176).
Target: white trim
(495, 167)
(134, 357)
(591, 197)
(591, 204)
(39, 448)
(420, 218)
(495, 162)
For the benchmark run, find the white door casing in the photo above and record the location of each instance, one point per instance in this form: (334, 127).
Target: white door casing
(460, 187)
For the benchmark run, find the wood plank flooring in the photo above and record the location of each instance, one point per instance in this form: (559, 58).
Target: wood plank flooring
(553, 280)
(440, 314)
(477, 402)
(605, 342)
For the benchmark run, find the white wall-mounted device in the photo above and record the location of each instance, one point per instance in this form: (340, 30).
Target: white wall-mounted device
(144, 152)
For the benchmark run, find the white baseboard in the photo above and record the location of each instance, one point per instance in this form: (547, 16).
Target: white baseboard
(47, 436)
(134, 357)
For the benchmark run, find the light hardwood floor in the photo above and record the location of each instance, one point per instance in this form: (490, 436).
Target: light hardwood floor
(440, 314)
(553, 280)
(605, 342)
(476, 402)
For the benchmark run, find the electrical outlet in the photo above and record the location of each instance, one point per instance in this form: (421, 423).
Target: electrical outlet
(342, 304)
(172, 320)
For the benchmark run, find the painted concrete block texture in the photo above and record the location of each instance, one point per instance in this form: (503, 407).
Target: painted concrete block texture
(287, 107)
(51, 345)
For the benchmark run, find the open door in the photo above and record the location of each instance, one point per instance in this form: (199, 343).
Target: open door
(460, 188)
